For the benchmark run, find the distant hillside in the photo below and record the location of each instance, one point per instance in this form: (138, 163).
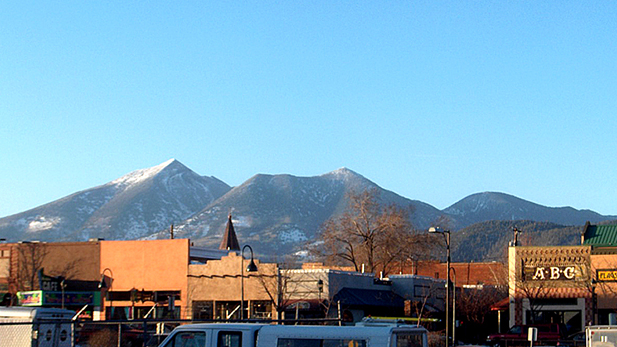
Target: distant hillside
(488, 241)
(488, 206)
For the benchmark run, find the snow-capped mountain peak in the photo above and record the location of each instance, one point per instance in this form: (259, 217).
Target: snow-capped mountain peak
(141, 175)
(130, 207)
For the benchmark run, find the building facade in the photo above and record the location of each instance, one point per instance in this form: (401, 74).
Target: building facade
(571, 285)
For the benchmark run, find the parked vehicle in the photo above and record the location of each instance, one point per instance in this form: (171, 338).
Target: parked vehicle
(574, 340)
(601, 335)
(35, 326)
(517, 335)
(364, 334)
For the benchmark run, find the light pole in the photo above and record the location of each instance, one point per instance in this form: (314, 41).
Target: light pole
(62, 286)
(250, 268)
(454, 308)
(446, 235)
(103, 285)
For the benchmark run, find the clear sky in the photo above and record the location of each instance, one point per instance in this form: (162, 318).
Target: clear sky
(435, 100)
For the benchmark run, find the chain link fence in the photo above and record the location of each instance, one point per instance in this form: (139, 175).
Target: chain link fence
(124, 333)
(85, 334)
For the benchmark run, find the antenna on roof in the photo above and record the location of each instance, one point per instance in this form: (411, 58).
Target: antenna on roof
(515, 241)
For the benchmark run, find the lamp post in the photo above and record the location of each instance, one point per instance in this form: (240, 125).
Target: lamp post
(446, 235)
(62, 286)
(103, 284)
(320, 291)
(454, 308)
(250, 268)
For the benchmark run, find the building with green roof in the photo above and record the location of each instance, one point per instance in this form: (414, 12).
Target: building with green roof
(599, 236)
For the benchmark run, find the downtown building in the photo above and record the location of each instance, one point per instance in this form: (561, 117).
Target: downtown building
(571, 285)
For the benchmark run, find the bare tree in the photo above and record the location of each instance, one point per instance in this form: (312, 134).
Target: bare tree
(472, 304)
(369, 234)
(275, 285)
(419, 306)
(31, 258)
(284, 289)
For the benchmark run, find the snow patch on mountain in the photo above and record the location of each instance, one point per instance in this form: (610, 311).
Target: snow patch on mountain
(338, 174)
(292, 235)
(241, 221)
(42, 223)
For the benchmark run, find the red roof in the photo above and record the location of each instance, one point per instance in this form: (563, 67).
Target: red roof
(501, 305)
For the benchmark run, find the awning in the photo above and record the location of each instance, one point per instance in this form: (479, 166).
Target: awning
(369, 297)
(311, 304)
(501, 305)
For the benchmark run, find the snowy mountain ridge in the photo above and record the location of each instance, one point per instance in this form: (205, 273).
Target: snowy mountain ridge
(129, 207)
(276, 214)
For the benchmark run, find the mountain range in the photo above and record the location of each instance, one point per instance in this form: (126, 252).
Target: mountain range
(276, 214)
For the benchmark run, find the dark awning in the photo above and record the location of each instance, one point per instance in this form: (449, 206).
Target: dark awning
(369, 297)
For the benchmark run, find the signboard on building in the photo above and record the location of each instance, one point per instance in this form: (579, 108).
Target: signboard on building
(553, 273)
(43, 298)
(606, 275)
(34, 298)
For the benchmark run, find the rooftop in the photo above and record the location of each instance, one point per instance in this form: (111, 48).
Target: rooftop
(600, 235)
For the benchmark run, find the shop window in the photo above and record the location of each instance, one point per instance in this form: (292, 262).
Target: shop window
(227, 310)
(261, 309)
(202, 310)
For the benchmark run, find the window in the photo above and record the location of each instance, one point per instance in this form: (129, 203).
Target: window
(202, 310)
(344, 343)
(517, 329)
(188, 339)
(421, 291)
(230, 339)
(408, 340)
(321, 343)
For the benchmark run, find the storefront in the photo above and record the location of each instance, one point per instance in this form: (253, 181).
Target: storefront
(75, 301)
(551, 285)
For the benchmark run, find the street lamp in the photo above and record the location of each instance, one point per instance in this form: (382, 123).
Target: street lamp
(103, 284)
(320, 291)
(454, 308)
(250, 268)
(62, 286)
(446, 235)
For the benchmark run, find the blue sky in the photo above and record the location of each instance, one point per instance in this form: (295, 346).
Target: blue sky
(434, 100)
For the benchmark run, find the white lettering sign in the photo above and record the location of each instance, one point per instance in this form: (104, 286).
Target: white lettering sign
(539, 275)
(552, 273)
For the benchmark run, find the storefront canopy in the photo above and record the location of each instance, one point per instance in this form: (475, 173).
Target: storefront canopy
(369, 297)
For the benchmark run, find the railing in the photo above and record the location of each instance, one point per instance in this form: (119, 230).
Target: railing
(117, 333)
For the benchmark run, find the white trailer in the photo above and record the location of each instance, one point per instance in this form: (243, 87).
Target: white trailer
(601, 336)
(35, 327)
(366, 334)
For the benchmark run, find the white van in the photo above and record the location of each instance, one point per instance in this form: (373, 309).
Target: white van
(601, 336)
(35, 326)
(364, 334)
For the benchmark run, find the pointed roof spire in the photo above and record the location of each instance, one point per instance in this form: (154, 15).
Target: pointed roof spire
(230, 241)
